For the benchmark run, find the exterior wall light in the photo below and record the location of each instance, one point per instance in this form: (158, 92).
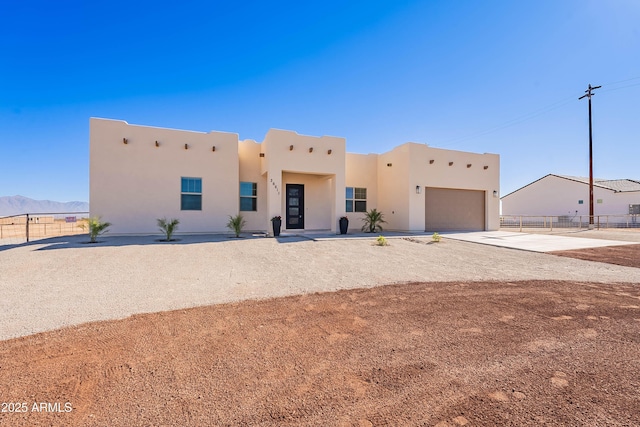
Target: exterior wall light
(311, 149)
(213, 148)
(486, 167)
(418, 189)
(291, 148)
(329, 151)
(450, 163)
(389, 164)
(431, 161)
(261, 154)
(186, 146)
(495, 193)
(125, 141)
(468, 165)
(157, 144)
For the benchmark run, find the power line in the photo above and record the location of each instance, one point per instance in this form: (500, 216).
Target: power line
(621, 81)
(514, 121)
(618, 88)
(536, 113)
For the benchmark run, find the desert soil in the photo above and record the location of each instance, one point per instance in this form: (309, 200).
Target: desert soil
(447, 354)
(627, 255)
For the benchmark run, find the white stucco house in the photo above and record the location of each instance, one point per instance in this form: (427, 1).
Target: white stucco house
(561, 195)
(141, 173)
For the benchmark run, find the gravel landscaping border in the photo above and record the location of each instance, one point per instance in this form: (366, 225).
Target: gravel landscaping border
(61, 282)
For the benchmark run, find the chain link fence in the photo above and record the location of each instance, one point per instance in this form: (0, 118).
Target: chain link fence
(577, 222)
(17, 229)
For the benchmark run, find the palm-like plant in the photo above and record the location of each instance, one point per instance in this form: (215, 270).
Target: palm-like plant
(372, 220)
(168, 226)
(97, 227)
(236, 224)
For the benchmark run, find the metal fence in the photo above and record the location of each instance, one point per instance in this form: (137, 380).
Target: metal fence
(577, 222)
(16, 229)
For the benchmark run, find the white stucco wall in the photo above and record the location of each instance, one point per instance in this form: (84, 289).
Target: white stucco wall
(404, 208)
(249, 155)
(133, 184)
(554, 195)
(289, 152)
(361, 172)
(467, 172)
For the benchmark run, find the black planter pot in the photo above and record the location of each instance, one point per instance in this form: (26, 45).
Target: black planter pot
(276, 224)
(344, 225)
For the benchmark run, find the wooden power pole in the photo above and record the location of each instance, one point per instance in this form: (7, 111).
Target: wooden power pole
(588, 95)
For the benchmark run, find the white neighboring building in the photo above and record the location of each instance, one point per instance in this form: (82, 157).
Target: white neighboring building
(560, 195)
(140, 173)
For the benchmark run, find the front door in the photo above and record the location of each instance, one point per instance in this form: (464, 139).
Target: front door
(295, 206)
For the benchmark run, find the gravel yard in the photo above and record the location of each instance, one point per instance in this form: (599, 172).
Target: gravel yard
(64, 282)
(463, 334)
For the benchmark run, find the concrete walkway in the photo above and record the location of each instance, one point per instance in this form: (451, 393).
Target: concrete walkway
(532, 242)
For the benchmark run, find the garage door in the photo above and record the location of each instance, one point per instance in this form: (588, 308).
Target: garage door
(450, 209)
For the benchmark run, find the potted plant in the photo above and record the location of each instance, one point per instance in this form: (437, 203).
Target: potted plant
(344, 225)
(276, 223)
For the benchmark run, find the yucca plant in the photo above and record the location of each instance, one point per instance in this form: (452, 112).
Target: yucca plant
(236, 224)
(372, 221)
(168, 226)
(96, 228)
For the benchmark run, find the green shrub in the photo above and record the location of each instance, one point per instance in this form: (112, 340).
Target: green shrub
(168, 226)
(372, 221)
(96, 228)
(236, 224)
(382, 241)
(436, 237)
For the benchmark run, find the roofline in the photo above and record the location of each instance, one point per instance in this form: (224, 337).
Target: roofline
(559, 176)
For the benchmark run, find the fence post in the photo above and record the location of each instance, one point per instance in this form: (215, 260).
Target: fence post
(598, 222)
(27, 228)
(521, 223)
(551, 222)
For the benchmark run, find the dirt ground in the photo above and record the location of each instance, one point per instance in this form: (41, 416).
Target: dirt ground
(474, 353)
(627, 255)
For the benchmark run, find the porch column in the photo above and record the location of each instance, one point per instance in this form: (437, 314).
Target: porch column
(274, 197)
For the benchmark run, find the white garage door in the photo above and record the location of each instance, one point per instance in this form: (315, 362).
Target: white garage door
(450, 209)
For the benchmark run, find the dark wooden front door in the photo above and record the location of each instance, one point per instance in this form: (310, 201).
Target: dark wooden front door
(295, 206)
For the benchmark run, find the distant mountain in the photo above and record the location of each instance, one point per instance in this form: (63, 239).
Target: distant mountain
(14, 205)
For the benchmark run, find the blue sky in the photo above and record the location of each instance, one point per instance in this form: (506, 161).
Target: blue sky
(483, 76)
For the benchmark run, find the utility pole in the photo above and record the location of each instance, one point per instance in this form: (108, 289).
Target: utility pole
(588, 95)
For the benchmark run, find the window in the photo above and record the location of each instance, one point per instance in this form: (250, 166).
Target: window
(356, 199)
(191, 194)
(248, 196)
(580, 202)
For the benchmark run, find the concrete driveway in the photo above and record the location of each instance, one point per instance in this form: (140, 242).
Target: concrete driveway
(532, 242)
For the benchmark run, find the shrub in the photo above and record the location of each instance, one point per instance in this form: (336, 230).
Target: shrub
(372, 221)
(436, 237)
(168, 226)
(382, 241)
(236, 224)
(96, 228)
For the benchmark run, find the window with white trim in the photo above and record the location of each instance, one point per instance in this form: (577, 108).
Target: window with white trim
(248, 196)
(191, 194)
(356, 199)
